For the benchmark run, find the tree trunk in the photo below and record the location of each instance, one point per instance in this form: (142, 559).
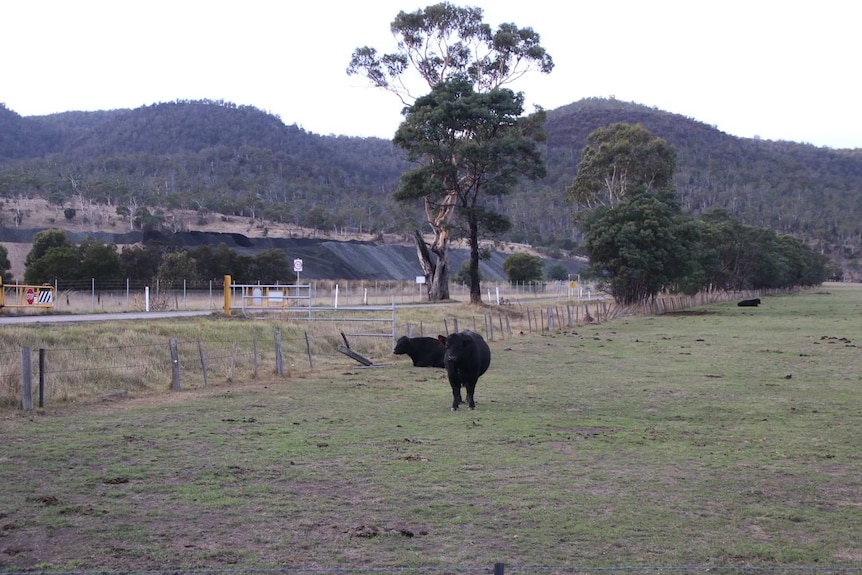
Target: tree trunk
(475, 288)
(435, 265)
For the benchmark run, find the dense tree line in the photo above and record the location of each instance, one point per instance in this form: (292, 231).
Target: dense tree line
(645, 245)
(641, 242)
(53, 257)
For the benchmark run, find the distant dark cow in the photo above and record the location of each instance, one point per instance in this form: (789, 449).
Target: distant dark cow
(424, 351)
(467, 357)
(749, 302)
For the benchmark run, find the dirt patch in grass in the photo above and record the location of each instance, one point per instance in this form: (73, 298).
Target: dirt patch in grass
(690, 312)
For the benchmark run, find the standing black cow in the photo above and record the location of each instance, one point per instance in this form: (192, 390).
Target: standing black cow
(424, 351)
(467, 357)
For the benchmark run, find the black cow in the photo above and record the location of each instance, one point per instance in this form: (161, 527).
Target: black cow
(467, 357)
(424, 351)
(749, 302)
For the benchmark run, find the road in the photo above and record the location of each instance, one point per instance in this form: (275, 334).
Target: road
(72, 318)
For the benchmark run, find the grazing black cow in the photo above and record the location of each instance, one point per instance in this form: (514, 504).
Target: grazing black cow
(424, 351)
(467, 357)
(749, 302)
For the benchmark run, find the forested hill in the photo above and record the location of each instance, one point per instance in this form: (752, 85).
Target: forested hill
(788, 187)
(216, 156)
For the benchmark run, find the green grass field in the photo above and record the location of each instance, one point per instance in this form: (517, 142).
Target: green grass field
(717, 437)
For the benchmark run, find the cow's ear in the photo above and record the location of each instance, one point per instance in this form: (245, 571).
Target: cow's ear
(441, 339)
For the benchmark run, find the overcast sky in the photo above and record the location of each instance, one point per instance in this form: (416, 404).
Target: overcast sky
(781, 70)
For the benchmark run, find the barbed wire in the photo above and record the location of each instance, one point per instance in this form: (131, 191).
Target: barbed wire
(102, 349)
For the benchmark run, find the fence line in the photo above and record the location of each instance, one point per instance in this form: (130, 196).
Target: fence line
(127, 295)
(192, 363)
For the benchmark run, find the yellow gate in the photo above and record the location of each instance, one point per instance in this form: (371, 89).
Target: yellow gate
(26, 297)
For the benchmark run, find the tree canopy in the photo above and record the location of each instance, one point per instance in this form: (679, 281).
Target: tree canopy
(642, 246)
(618, 159)
(5, 265)
(523, 268)
(444, 41)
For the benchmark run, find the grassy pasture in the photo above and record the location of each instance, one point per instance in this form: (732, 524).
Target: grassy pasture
(720, 436)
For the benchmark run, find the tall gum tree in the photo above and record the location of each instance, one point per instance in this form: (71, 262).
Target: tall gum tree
(440, 43)
(469, 146)
(618, 159)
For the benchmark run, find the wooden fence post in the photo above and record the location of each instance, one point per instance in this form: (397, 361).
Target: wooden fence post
(203, 361)
(308, 350)
(254, 349)
(232, 361)
(279, 358)
(175, 365)
(26, 380)
(41, 377)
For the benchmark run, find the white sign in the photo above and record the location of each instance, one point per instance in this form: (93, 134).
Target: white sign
(420, 279)
(297, 265)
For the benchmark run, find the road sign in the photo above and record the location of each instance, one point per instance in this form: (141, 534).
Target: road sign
(297, 265)
(31, 296)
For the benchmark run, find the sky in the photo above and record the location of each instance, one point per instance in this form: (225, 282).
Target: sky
(774, 69)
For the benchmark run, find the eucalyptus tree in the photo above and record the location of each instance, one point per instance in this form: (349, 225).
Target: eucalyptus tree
(641, 246)
(5, 265)
(469, 146)
(618, 159)
(439, 44)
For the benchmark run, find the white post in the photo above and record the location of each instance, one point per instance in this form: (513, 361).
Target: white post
(147, 298)
(498, 295)
(336, 296)
(365, 296)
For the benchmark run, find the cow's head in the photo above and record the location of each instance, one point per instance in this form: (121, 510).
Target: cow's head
(402, 345)
(456, 345)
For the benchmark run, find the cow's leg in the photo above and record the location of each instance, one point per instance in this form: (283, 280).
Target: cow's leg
(456, 395)
(471, 387)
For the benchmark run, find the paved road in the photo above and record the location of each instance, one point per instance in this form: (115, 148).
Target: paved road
(30, 319)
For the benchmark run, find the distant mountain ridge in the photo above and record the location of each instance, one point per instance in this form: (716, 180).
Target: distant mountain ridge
(214, 156)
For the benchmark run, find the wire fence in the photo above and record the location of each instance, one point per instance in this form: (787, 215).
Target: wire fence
(98, 295)
(123, 364)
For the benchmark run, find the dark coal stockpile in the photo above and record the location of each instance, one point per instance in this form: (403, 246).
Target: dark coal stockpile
(321, 258)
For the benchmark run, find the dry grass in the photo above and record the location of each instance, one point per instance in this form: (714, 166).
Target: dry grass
(728, 438)
(86, 361)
